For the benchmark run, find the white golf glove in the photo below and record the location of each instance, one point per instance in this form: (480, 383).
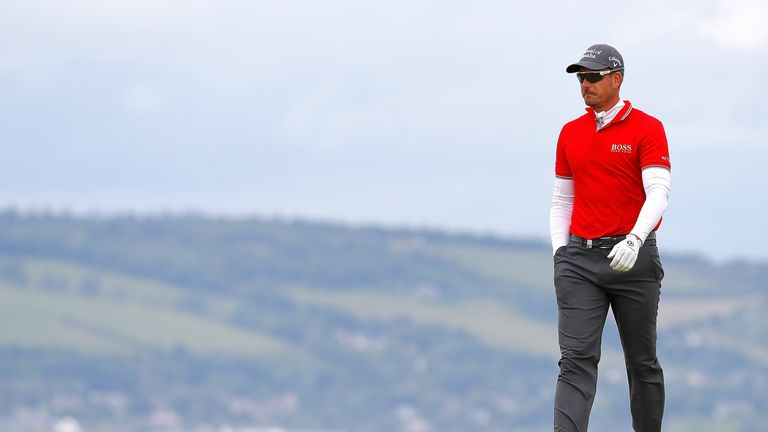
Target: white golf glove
(624, 253)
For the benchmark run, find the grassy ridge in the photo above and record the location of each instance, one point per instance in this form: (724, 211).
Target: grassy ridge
(75, 306)
(490, 322)
(63, 305)
(319, 326)
(46, 320)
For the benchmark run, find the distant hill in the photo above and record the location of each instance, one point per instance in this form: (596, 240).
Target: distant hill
(188, 322)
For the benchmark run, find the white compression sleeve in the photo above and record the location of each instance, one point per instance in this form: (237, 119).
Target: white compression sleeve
(656, 184)
(560, 212)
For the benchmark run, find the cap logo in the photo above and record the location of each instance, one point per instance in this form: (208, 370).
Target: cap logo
(592, 53)
(616, 61)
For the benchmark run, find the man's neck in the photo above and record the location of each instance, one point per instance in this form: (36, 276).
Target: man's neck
(607, 106)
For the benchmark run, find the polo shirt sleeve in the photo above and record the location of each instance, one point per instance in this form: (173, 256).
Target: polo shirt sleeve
(654, 150)
(562, 168)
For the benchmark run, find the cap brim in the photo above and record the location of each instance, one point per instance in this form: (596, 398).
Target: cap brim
(584, 63)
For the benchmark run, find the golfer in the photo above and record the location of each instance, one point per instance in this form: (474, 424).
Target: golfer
(611, 190)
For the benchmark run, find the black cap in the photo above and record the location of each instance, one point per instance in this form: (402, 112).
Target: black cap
(597, 57)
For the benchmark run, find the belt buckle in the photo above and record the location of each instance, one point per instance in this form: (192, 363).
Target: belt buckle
(604, 242)
(589, 243)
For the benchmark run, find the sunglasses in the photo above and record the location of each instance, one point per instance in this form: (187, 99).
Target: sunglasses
(594, 76)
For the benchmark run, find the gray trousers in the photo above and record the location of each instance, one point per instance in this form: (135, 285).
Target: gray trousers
(586, 286)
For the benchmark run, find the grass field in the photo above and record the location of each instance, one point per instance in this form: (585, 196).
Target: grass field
(519, 269)
(63, 277)
(494, 324)
(92, 311)
(37, 319)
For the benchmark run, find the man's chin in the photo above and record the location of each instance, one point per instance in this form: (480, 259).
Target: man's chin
(589, 102)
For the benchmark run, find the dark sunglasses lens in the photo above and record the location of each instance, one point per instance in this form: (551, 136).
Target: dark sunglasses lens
(592, 77)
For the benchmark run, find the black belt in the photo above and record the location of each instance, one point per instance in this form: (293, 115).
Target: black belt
(600, 242)
(603, 242)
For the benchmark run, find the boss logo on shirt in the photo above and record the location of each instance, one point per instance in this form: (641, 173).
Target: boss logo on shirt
(621, 148)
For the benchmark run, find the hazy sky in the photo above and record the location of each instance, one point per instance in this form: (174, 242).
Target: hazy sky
(396, 113)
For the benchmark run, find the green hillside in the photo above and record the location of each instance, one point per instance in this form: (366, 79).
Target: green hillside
(193, 323)
(67, 306)
(90, 325)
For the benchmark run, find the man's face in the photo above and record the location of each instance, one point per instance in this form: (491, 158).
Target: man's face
(600, 94)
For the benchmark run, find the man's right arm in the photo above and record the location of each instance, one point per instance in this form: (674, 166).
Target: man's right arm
(560, 212)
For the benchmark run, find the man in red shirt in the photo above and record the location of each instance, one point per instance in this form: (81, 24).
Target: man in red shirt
(611, 190)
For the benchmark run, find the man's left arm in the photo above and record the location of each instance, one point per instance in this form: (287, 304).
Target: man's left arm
(656, 182)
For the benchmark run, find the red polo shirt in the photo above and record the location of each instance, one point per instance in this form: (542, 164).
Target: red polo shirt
(606, 167)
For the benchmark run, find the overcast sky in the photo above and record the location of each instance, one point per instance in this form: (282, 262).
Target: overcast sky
(439, 114)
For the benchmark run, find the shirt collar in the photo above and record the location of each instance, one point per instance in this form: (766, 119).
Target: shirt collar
(621, 109)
